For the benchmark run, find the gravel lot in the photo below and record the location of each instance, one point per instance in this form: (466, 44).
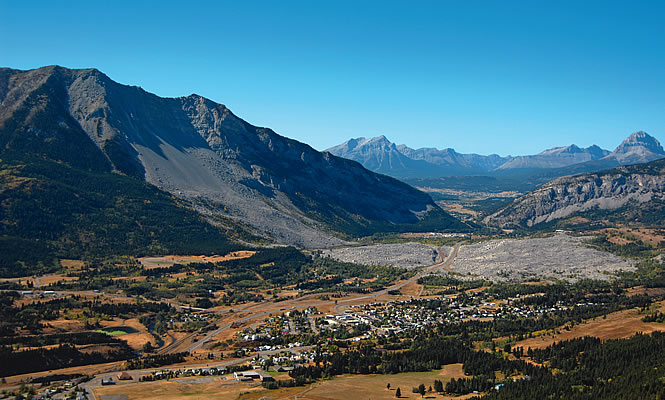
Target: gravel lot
(406, 255)
(557, 257)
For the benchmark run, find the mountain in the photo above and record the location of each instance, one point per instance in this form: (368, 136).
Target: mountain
(638, 148)
(376, 154)
(380, 155)
(420, 166)
(204, 156)
(452, 160)
(633, 193)
(556, 157)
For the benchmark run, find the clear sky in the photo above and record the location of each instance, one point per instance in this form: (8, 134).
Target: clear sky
(479, 76)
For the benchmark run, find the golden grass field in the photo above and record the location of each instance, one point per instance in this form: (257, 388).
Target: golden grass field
(167, 261)
(211, 388)
(618, 325)
(347, 387)
(352, 387)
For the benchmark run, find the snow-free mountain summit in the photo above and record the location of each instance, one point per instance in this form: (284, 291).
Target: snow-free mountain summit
(380, 155)
(203, 154)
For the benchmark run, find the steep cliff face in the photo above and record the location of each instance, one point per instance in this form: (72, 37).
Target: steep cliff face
(634, 185)
(200, 151)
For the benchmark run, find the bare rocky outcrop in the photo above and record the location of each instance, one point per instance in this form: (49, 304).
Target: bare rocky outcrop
(609, 190)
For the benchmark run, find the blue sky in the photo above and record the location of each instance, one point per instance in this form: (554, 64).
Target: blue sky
(479, 76)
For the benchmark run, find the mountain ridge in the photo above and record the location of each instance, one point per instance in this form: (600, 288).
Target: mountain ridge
(551, 163)
(637, 189)
(199, 151)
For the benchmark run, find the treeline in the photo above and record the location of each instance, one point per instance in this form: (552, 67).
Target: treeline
(29, 316)
(656, 317)
(426, 352)
(78, 338)
(588, 368)
(634, 249)
(469, 385)
(457, 284)
(156, 360)
(63, 356)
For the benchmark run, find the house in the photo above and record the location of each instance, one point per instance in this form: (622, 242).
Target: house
(124, 376)
(265, 377)
(260, 374)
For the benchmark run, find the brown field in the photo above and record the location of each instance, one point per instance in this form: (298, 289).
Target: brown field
(48, 279)
(130, 278)
(351, 387)
(72, 264)
(85, 369)
(167, 261)
(43, 280)
(618, 325)
(63, 325)
(619, 240)
(650, 236)
(209, 388)
(458, 209)
(638, 290)
(412, 289)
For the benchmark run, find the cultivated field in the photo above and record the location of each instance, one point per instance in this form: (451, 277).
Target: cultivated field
(558, 257)
(406, 255)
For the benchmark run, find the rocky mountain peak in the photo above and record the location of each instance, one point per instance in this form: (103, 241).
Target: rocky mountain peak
(639, 147)
(198, 150)
(641, 139)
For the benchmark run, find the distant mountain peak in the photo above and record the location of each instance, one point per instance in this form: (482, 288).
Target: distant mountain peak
(639, 147)
(641, 138)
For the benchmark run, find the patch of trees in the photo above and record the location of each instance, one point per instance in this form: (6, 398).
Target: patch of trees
(53, 206)
(156, 360)
(78, 338)
(634, 249)
(458, 284)
(47, 379)
(469, 385)
(656, 317)
(591, 369)
(29, 316)
(63, 356)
